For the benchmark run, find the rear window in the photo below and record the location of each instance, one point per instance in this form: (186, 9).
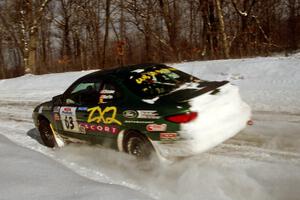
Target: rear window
(155, 81)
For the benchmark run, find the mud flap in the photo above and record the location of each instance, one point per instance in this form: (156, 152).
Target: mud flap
(59, 141)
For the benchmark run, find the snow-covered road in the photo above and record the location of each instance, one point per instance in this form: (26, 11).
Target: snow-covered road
(27, 174)
(262, 162)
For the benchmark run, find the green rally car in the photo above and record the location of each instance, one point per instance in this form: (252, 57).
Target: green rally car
(142, 109)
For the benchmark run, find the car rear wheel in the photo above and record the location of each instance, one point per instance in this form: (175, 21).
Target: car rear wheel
(46, 133)
(139, 146)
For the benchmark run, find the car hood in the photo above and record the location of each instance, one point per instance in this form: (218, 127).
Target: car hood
(191, 90)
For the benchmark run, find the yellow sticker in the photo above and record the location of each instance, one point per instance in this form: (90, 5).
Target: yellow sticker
(107, 115)
(152, 74)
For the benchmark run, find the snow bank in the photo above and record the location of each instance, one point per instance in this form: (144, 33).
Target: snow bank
(266, 84)
(29, 175)
(37, 88)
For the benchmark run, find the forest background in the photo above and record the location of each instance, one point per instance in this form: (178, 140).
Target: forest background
(46, 36)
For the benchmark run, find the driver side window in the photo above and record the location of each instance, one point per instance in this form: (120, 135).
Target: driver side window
(84, 93)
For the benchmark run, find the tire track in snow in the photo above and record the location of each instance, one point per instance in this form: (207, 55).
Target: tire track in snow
(243, 145)
(256, 153)
(16, 111)
(69, 157)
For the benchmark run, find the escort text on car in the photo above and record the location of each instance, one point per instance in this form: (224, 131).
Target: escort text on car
(142, 109)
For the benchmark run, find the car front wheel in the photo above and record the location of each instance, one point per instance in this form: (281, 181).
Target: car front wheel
(46, 133)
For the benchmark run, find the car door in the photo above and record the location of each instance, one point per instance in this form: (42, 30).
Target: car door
(74, 111)
(104, 120)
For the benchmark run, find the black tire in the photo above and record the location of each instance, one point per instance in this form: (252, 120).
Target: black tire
(46, 133)
(139, 146)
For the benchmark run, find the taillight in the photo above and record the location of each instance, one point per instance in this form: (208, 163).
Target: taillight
(182, 118)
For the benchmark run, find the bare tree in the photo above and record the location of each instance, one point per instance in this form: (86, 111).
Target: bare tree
(222, 29)
(2, 69)
(106, 34)
(292, 22)
(170, 13)
(44, 35)
(210, 30)
(31, 15)
(143, 15)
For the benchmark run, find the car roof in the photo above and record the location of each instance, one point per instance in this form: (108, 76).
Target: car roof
(121, 72)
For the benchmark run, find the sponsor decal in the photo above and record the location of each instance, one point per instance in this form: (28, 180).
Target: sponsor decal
(151, 75)
(168, 136)
(56, 109)
(82, 129)
(56, 117)
(107, 92)
(67, 110)
(130, 114)
(156, 127)
(82, 108)
(99, 128)
(138, 122)
(106, 115)
(148, 114)
(105, 96)
(101, 101)
(69, 120)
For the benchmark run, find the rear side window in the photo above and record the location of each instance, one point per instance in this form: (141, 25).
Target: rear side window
(155, 81)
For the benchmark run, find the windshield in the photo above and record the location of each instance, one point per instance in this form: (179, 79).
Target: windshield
(157, 80)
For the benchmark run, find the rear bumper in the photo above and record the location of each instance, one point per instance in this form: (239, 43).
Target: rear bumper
(218, 120)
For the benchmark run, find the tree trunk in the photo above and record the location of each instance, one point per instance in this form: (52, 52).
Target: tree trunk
(97, 39)
(222, 29)
(171, 24)
(31, 64)
(122, 32)
(292, 25)
(107, 19)
(31, 16)
(192, 21)
(148, 34)
(210, 41)
(2, 70)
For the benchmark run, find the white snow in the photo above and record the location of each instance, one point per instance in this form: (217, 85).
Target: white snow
(260, 163)
(27, 174)
(267, 84)
(30, 88)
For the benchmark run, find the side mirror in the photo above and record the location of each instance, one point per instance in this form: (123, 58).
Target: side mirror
(57, 100)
